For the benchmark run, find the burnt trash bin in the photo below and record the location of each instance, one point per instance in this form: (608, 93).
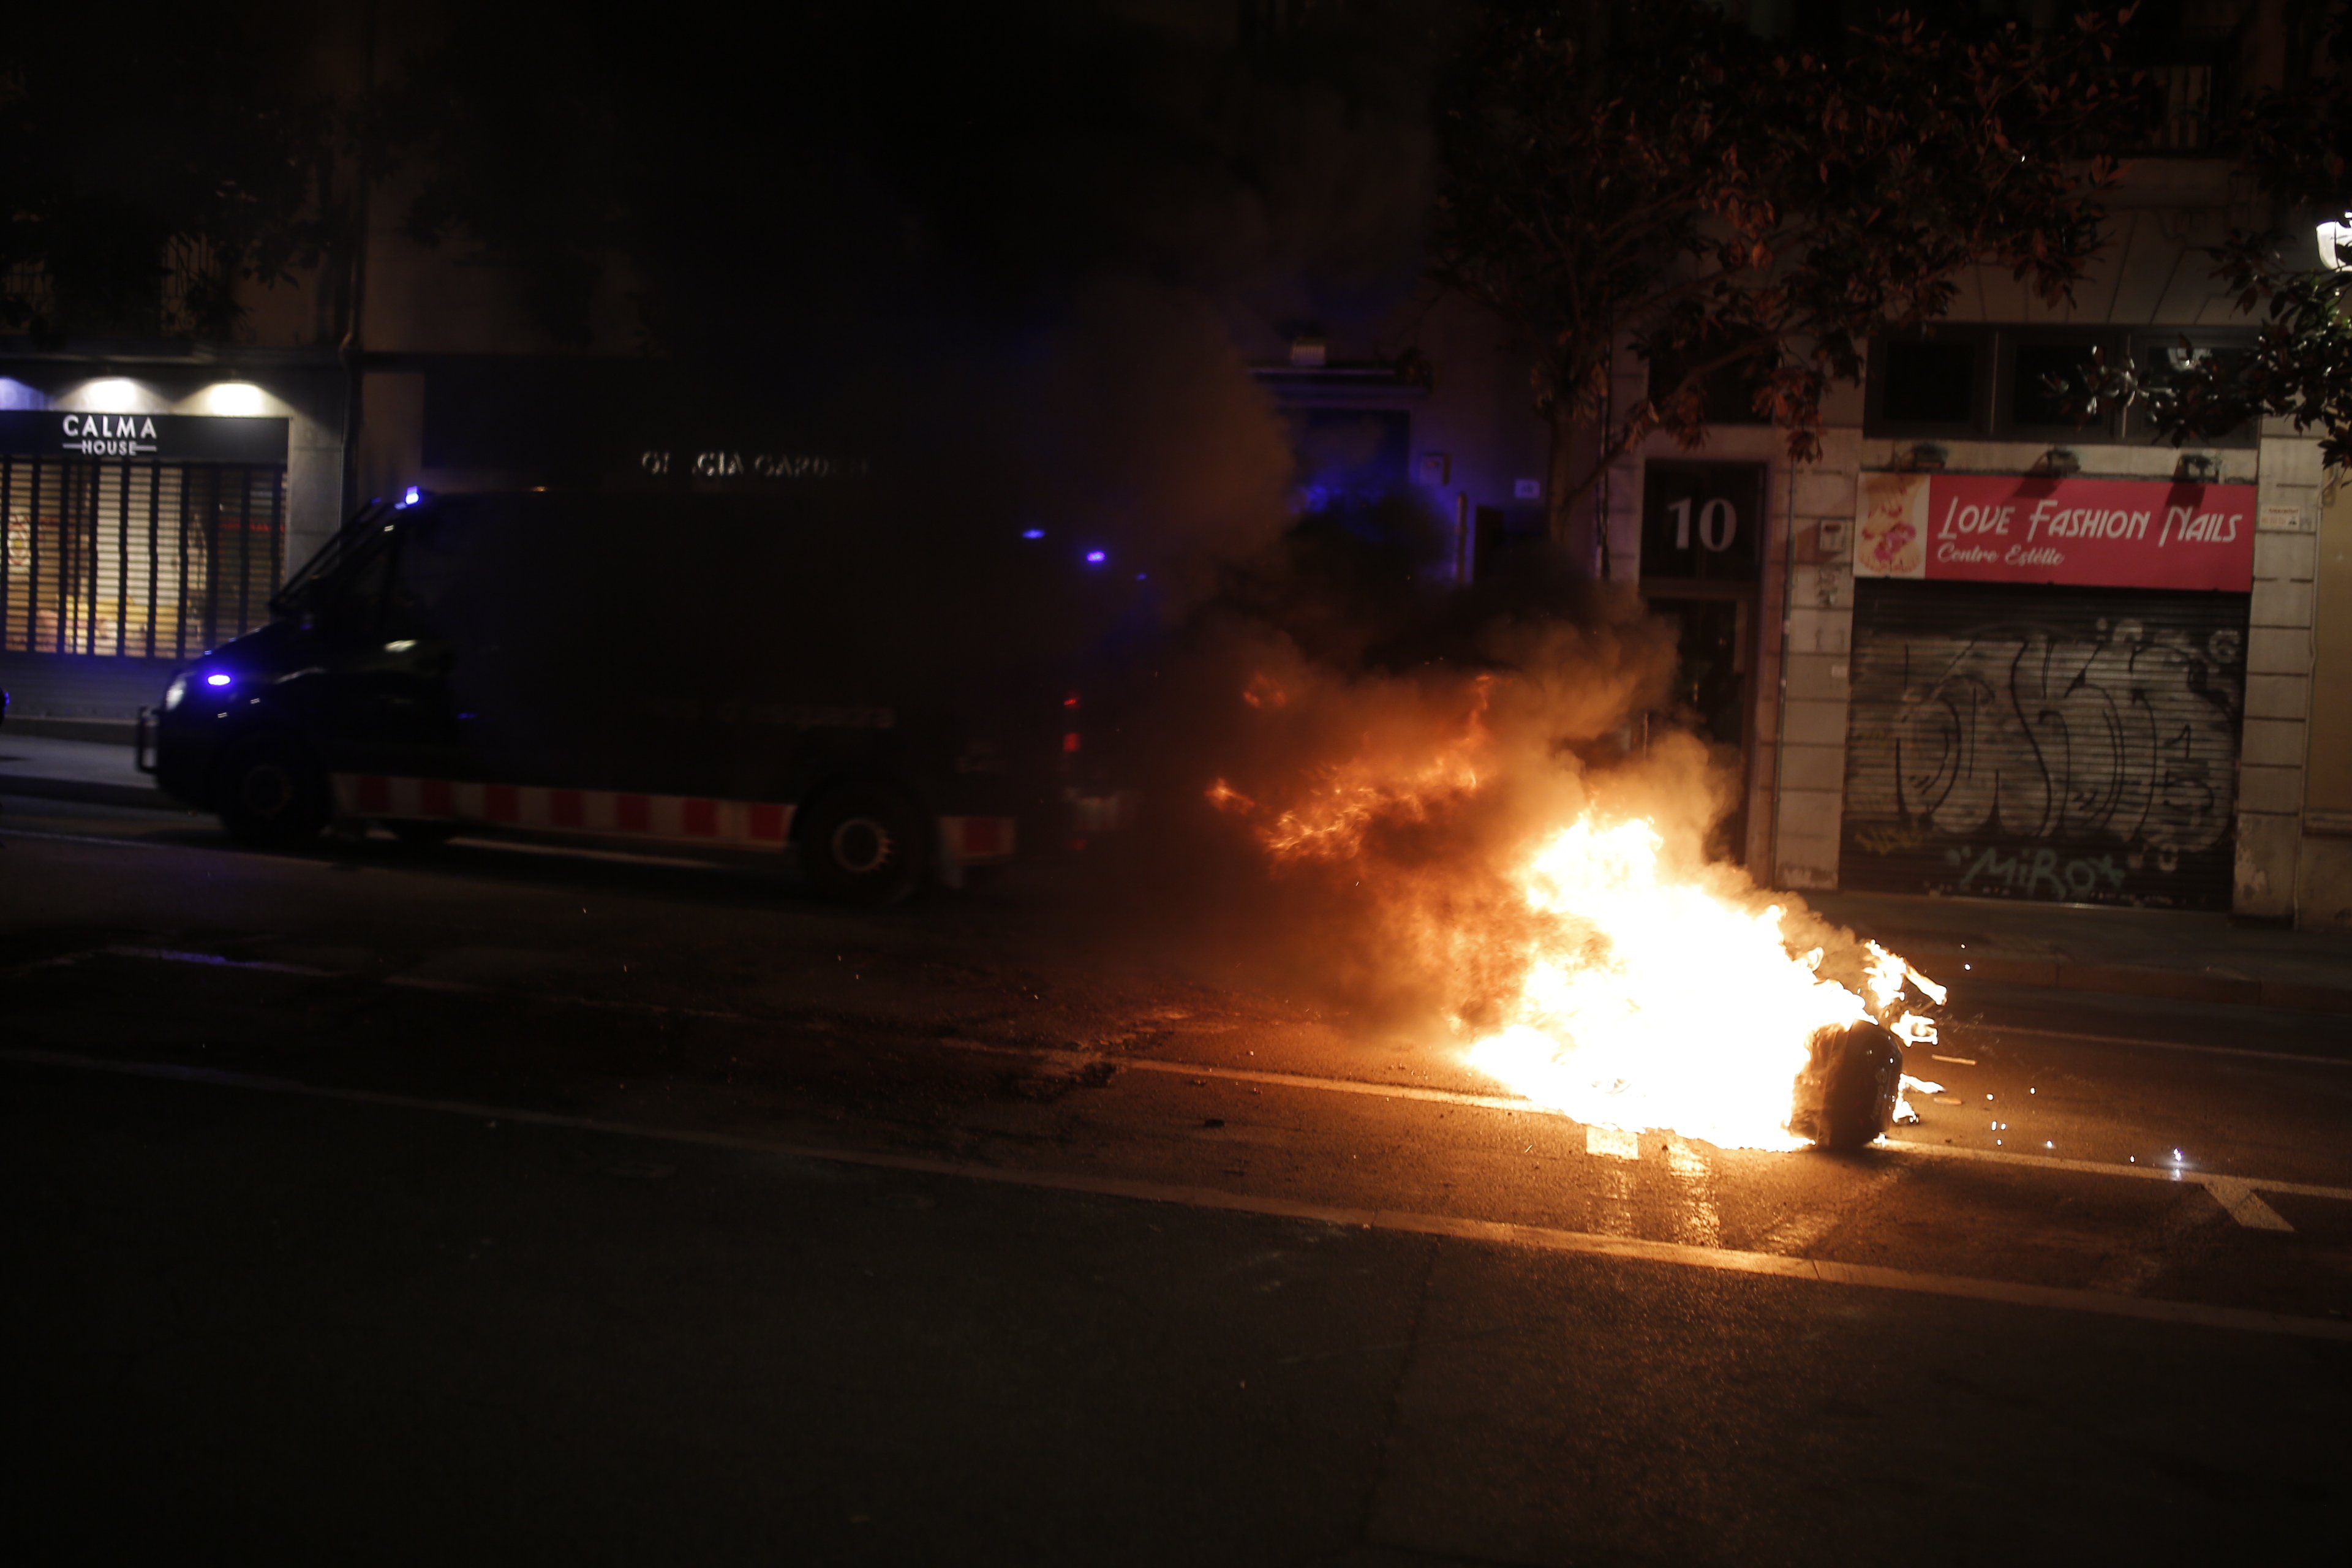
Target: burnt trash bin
(1845, 1096)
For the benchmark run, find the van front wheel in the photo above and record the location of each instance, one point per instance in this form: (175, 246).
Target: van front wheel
(863, 843)
(271, 794)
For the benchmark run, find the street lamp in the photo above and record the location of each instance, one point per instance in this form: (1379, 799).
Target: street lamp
(2336, 244)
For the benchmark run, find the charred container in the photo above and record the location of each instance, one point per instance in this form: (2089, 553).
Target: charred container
(1845, 1096)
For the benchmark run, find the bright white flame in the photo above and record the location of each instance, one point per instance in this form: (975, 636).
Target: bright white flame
(1903, 1115)
(1650, 1003)
(1914, 1029)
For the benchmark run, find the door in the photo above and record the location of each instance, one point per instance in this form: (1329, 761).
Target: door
(383, 627)
(1702, 534)
(1713, 695)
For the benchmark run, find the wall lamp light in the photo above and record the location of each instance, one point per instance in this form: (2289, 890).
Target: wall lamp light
(2057, 463)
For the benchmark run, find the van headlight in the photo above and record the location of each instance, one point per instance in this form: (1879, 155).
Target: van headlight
(173, 693)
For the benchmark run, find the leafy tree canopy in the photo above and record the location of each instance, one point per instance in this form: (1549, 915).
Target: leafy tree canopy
(858, 176)
(146, 131)
(1652, 171)
(2295, 141)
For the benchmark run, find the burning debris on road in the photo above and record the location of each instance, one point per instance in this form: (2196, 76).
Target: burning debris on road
(1550, 893)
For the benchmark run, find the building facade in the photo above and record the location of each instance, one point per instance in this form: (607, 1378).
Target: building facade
(1984, 652)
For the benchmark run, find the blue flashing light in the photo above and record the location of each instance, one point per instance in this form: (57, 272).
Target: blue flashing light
(1033, 533)
(413, 495)
(216, 678)
(1095, 557)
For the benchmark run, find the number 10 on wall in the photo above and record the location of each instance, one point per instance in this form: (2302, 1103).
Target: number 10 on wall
(1719, 524)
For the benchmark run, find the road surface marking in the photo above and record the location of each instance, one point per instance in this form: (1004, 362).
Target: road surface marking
(1542, 1239)
(1612, 1142)
(87, 839)
(2245, 1206)
(578, 852)
(1532, 1107)
(57, 961)
(1963, 1061)
(2133, 1042)
(1509, 1103)
(213, 960)
(1259, 1076)
(2247, 1185)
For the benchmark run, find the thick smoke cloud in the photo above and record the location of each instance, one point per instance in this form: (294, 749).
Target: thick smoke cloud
(1360, 836)
(1145, 434)
(1368, 822)
(1036, 244)
(1024, 242)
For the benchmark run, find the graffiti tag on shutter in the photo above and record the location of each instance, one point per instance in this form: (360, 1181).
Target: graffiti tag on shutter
(2082, 763)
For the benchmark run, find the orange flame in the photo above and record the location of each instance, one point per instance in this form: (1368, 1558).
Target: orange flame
(1615, 988)
(1348, 798)
(1225, 797)
(1262, 692)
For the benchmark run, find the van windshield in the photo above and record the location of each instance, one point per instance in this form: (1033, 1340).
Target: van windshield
(369, 523)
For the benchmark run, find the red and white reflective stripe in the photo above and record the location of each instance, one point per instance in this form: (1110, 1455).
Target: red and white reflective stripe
(675, 818)
(678, 819)
(975, 840)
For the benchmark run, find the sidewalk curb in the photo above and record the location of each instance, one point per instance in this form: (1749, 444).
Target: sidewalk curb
(91, 731)
(2170, 984)
(87, 791)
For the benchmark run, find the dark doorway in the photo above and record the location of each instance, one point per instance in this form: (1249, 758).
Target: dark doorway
(1713, 697)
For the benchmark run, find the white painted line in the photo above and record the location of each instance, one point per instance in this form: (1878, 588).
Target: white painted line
(1612, 1142)
(1963, 1061)
(89, 838)
(581, 852)
(2131, 1042)
(2244, 1206)
(1259, 1076)
(213, 960)
(1376, 1090)
(59, 962)
(1535, 1237)
(2101, 1168)
(1530, 1107)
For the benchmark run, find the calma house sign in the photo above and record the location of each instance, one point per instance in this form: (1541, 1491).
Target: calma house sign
(157, 438)
(2115, 533)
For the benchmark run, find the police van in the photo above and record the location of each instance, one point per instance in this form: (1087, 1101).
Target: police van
(865, 682)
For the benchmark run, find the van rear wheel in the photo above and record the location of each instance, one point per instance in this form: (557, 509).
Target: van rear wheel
(865, 844)
(271, 794)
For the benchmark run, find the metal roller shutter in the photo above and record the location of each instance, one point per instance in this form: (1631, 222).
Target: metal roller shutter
(136, 559)
(2063, 744)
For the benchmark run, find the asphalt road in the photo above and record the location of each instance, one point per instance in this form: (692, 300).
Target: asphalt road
(500, 1206)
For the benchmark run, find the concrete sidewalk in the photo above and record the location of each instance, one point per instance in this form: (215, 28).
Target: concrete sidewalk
(88, 771)
(2138, 952)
